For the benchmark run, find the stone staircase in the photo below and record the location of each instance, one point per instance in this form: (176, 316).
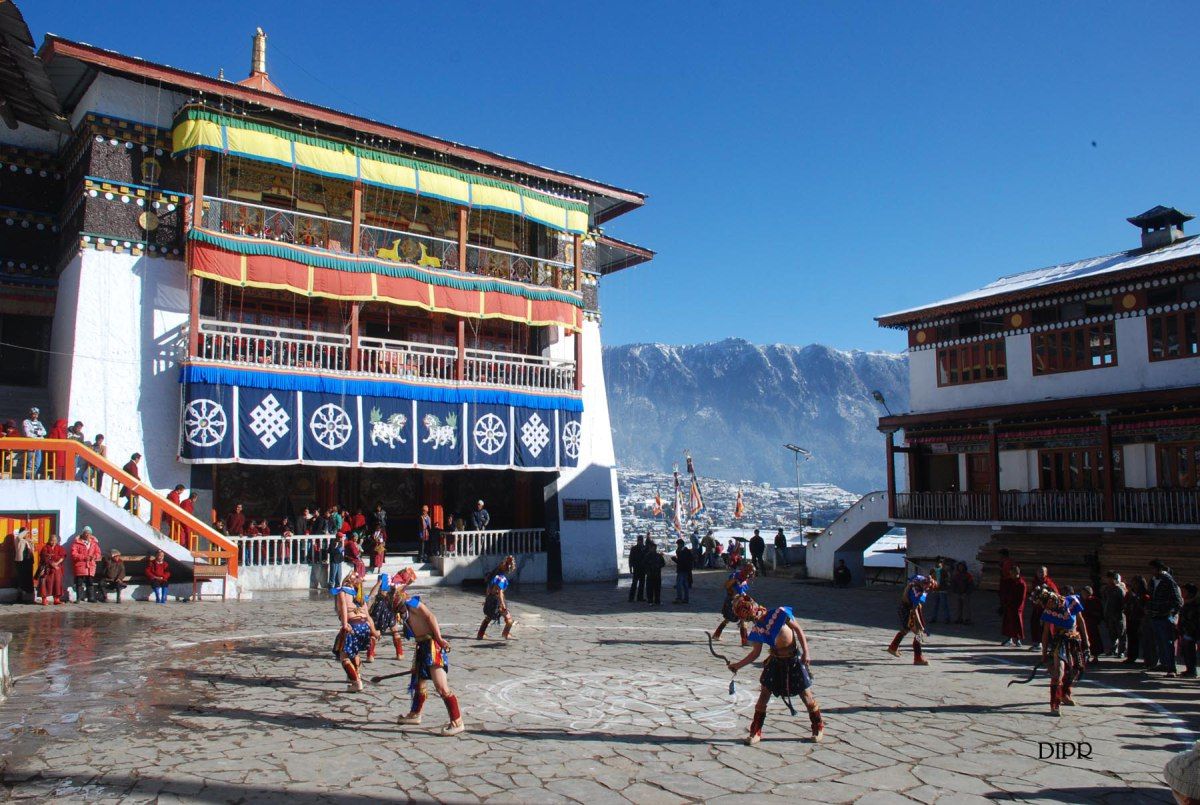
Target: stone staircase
(428, 573)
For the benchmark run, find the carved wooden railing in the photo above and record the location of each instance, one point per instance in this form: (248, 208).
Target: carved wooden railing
(70, 460)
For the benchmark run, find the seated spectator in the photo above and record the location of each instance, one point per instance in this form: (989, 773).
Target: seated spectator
(159, 575)
(841, 574)
(112, 575)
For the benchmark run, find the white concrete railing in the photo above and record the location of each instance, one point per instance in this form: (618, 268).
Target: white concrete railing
(231, 342)
(488, 368)
(380, 356)
(306, 549)
(498, 542)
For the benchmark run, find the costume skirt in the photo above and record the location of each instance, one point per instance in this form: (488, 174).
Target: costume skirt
(491, 608)
(1068, 649)
(356, 640)
(426, 658)
(785, 676)
(383, 614)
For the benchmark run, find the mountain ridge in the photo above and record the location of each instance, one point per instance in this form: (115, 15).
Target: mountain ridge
(735, 404)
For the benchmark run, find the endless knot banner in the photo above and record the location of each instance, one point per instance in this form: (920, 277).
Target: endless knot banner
(267, 425)
(245, 424)
(535, 438)
(269, 421)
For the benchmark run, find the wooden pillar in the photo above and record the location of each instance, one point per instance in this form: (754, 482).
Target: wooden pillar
(890, 444)
(1107, 464)
(198, 159)
(994, 463)
(462, 238)
(431, 496)
(354, 308)
(197, 217)
(356, 218)
(194, 317)
(460, 366)
(579, 332)
(523, 500)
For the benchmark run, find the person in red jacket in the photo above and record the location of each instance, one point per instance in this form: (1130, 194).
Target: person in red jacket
(235, 523)
(85, 555)
(131, 467)
(1012, 605)
(159, 574)
(50, 571)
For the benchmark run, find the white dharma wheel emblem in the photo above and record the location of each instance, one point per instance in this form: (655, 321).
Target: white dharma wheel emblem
(204, 423)
(330, 426)
(490, 433)
(571, 439)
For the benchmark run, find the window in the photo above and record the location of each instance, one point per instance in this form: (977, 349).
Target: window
(1089, 347)
(1178, 465)
(1079, 468)
(971, 363)
(1174, 335)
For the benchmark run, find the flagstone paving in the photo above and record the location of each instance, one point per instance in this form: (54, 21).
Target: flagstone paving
(597, 701)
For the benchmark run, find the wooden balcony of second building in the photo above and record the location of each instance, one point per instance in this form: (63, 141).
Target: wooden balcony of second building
(1179, 507)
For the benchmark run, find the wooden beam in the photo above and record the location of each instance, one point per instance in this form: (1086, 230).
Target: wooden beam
(354, 308)
(194, 317)
(460, 365)
(462, 238)
(890, 444)
(994, 462)
(356, 218)
(579, 332)
(1107, 447)
(198, 163)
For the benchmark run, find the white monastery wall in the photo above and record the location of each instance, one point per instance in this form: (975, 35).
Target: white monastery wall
(1133, 372)
(110, 95)
(123, 317)
(959, 542)
(590, 547)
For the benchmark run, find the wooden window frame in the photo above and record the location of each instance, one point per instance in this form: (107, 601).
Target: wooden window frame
(1179, 320)
(1162, 455)
(1079, 457)
(979, 358)
(1070, 349)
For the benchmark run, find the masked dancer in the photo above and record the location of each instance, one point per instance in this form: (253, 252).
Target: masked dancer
(912, 618)
(386, 599)
(785, 673)
(357, 630)
(1064, 644)
(737, 584)
(430, 663)
(495, 606)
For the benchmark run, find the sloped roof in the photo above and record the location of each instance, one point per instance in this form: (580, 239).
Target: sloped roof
(26, 94)
(1037, 282)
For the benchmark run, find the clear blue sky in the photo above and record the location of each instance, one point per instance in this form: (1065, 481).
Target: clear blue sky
(809, 166)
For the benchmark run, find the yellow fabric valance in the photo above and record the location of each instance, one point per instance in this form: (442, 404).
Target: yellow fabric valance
(202, 129)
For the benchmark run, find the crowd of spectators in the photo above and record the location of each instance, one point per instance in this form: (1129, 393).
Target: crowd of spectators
(41, 569)
(1148, 621)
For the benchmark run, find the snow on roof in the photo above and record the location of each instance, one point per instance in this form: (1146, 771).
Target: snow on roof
(1066, 272)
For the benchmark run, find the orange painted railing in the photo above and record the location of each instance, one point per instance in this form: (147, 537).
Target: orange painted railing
(69, 460)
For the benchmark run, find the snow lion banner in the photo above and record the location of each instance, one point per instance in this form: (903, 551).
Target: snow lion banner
(252, 425)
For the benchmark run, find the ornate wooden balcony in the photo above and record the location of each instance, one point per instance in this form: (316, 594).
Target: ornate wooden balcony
(1132, 506)
(312, 351)
(337, 235)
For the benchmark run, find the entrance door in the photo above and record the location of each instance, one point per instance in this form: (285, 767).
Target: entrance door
(45, 524)
(23, 361)
(937, 473)
(979, 472)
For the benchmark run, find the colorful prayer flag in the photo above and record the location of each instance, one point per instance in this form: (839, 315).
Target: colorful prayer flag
(697, 500)
(739, 508)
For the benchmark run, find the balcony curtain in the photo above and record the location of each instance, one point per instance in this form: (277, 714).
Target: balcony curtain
(197, 128)
(252, 262)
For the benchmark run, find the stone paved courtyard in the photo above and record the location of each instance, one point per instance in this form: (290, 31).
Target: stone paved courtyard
(598, 701)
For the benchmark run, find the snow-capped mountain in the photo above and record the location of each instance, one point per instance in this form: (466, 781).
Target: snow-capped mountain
(734, 405)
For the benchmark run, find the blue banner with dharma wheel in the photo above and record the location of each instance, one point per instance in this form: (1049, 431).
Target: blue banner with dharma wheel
(489, 431)
(269, 421)
(207, 426)
(331, 428)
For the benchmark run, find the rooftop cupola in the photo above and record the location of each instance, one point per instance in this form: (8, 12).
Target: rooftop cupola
(258, 67)
(1161, 226)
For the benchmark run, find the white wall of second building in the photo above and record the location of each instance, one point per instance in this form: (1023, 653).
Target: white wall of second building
(590, 547)
(122, 317)
(1134, 372)
(959, 542)
(119, 97)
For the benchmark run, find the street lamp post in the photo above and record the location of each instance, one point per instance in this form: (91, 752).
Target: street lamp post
(798, 451)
